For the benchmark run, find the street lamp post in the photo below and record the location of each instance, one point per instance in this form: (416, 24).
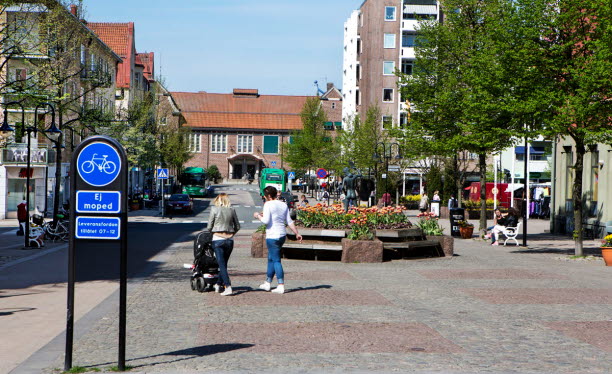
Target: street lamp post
(52, 131)
(387, 151)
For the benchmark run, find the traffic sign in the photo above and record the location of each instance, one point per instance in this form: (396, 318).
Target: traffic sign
(162, 173)
(393, 168)
(106, 228)
(321, 173)
(98, 164)
(98, 201)
(273, 163)
(291, 175)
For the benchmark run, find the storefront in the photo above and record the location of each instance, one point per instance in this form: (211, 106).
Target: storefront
(13, 179)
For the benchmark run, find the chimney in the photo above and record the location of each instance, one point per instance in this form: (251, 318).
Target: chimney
(330, 85)
(74, 10)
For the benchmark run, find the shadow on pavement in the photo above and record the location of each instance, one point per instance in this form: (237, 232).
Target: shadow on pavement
(4, 312)
(203, 350)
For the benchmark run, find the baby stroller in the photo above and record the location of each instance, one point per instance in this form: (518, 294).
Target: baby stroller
(205, 266)
(37, 234)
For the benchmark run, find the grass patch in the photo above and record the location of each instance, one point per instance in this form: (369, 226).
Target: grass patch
(116, 368)
(577, 257)
(81, 369)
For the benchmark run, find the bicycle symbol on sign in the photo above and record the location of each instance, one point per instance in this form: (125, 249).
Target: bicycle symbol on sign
(102, 164)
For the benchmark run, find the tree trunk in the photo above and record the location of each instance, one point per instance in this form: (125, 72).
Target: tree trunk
(458, 184)
(577, 196)
(482, 166)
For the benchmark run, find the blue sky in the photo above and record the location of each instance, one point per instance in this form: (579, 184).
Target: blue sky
(276, 46)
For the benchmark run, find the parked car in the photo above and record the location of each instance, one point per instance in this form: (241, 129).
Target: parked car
(181, 203)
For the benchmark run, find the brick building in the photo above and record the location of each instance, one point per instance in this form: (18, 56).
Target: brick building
(242, 132)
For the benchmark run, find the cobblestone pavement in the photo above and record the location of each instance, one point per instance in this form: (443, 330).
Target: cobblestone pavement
(487, 309)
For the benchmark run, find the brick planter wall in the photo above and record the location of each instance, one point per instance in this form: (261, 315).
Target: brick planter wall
(446, 242)
(258, 245)
(362, 250)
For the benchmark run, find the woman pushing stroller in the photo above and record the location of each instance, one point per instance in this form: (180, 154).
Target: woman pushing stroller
(223, 224)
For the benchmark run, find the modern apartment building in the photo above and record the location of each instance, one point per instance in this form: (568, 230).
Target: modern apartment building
(379, 38)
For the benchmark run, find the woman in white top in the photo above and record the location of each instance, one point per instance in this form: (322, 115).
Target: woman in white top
(275, 216)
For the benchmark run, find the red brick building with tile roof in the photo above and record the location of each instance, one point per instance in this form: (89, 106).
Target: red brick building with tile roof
(242, 132)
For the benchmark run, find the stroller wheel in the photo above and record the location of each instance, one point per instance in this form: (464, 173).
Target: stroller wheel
(200, 285)
(193, 284)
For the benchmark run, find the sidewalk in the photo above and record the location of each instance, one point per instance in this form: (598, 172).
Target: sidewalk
(487, 309)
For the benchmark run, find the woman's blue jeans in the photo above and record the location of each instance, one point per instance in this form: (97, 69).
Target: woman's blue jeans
(274, 260)
(223, 249)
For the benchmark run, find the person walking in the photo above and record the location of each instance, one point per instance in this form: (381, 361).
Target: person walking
(275, 216)
(424, 203)
(22, 216)
(223, 224)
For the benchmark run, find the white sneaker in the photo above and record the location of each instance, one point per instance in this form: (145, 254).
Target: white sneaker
(227, 292)
(265, 286)
(279, 289)
(217, 288)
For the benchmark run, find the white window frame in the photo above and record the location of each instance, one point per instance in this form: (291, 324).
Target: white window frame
(240, 146)
(392, 63)
(392, 95)
(382, 121)
(195, 142)
(385, 44)
(218, 143)
(394, 13)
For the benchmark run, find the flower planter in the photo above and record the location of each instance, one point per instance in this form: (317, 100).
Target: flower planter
(362, 250)
(606, 253)
(447, 243)
(399, 233)
(466, 232)
(258, 245)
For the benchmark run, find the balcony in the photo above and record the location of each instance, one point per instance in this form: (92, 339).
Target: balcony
(17, 154)
(96, 77)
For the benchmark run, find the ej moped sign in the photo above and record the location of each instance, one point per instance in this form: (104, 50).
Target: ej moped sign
(98, 211)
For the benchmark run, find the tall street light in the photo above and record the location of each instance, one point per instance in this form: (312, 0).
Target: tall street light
(52, 131)
(387, 154)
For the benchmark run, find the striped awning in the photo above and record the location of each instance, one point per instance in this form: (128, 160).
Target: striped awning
(420, 9)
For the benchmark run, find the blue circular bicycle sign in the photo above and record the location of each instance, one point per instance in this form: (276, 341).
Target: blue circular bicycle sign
(98, 164)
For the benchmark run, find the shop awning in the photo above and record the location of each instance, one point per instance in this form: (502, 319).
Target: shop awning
(519, 150)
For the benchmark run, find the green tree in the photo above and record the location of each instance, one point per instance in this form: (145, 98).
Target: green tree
(573, 61)
(462, 91)
(311, 147)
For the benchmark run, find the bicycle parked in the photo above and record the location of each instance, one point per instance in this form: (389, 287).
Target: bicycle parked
(58, 231)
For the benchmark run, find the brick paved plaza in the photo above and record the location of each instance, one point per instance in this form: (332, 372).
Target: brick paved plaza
(484, 310)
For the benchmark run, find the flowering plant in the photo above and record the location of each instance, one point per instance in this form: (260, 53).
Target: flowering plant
(428, 222)
(464, 224)
(334, 217)
(607, 241)
(360, 229)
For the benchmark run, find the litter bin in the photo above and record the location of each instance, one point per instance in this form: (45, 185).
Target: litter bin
(456, 214)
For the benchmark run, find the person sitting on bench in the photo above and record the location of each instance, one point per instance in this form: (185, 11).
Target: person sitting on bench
(509, 220)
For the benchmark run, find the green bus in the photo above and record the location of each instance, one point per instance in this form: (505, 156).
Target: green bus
(272, 177)
(194, 181)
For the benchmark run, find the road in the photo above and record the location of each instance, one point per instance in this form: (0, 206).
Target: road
(33, 288)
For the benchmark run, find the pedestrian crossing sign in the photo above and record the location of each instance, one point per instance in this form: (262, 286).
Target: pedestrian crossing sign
(291, 175)
(162, 173)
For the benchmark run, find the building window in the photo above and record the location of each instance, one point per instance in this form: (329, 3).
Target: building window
(270, 144)
(389, 40)
(387, 122)
(218, 143)
(163, 121)
(407, 67)
(389, 13)
(358, 46)
(408, 39)
(245, 144)
(388, 95)
(388, 67)
(333, 105)
(21, 75)
(357, 72)
(83, 55)
(357, 98)
(194, 143)
(404, 120)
